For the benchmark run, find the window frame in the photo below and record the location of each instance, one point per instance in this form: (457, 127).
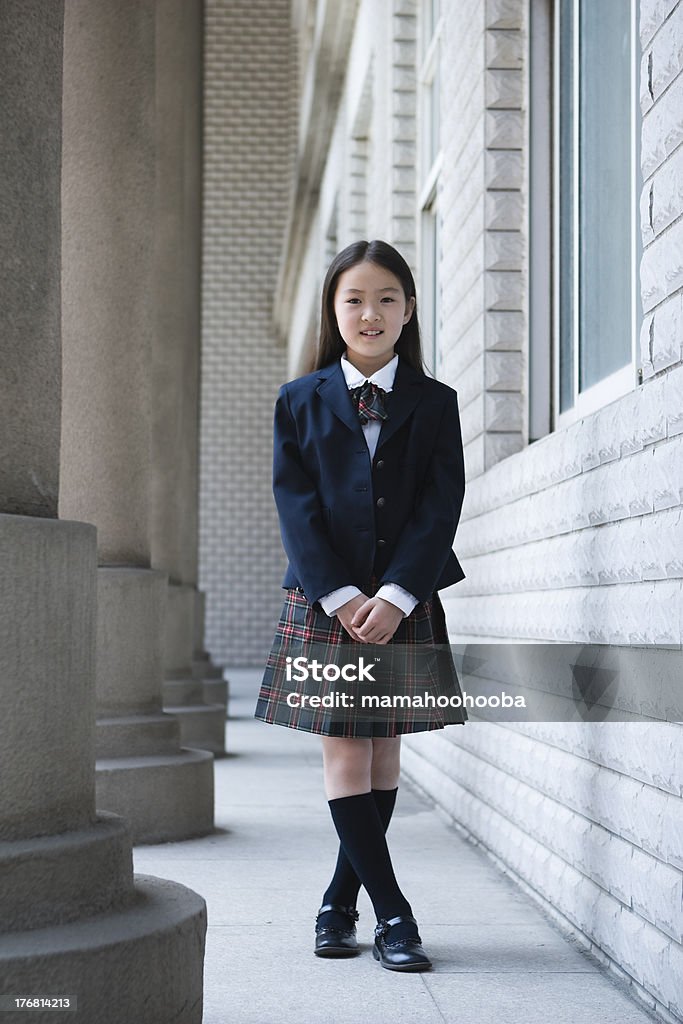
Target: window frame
(625, 379)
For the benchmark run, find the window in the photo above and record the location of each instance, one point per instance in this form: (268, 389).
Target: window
(429, 165)
(594, 246)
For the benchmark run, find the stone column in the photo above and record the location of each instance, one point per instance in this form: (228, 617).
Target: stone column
(74, 919)
(214, 687)
(175, 365)
(201, 724)
(110, 384)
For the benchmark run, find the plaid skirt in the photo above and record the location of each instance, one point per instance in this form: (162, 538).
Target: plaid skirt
(420, 662)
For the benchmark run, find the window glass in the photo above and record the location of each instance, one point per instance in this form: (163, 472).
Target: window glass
(604, 213)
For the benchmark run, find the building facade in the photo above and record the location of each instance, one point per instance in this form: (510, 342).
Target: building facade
(525, 157)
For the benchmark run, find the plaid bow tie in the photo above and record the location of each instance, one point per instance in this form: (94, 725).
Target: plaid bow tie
(368, 400)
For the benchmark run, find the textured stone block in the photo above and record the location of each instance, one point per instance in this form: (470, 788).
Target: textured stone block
(504, 169)
(503, 411)
(663, 128)
(505, 49)
(666, 334)
(504, 14)
(504, 211)
(667, 53)
(503, 371)
(652, 275)
(404, 26)
(505, 329)
(652, 16)
(671, 394)
(403, 52)
(504, 89)
(504, 129)
(504, 250)
(667, 193)
(504, 290)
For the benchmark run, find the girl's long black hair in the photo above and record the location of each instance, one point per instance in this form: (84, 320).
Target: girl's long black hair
(331, 345)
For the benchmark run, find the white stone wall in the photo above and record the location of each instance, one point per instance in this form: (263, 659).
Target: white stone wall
(483, 208)
(248, 137)
(578, 537)
(662, 199)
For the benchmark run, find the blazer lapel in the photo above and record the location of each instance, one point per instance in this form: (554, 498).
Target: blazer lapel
(335, 393)
(401, 401)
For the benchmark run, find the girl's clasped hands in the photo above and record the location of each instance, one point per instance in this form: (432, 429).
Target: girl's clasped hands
(371, 620)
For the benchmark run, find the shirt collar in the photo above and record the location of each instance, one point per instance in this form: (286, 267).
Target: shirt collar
(384, 378)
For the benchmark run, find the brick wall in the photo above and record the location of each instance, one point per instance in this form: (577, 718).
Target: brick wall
(248, 136)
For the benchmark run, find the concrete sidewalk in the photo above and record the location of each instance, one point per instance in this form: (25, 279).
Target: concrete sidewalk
(496, 956)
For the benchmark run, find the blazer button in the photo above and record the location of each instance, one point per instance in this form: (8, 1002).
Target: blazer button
(381, 502)
(380, 464)
(381, 543)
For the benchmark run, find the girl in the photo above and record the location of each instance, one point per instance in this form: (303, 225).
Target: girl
(369, 481)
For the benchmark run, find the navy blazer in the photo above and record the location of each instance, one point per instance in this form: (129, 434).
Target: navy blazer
(345, 518)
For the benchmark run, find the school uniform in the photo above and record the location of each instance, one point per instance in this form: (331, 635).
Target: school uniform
(373, 508)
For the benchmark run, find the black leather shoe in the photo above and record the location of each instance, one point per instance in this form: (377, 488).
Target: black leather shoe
(336, 942)
(403, 955)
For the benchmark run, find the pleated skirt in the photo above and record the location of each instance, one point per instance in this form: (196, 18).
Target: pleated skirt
(421, 639)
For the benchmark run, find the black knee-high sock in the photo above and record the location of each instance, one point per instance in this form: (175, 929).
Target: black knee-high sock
(345, 884)
(361, 833)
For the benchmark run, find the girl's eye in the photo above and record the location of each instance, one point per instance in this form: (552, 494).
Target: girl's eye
(387, 298)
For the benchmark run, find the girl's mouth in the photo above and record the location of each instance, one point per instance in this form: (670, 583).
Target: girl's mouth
(371, 334)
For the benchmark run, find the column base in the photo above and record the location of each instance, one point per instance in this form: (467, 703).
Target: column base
(201, 726)
(163, 798)
(195, 690)
(216, 692)
(67, 876)
(142, 963)
(204, 668)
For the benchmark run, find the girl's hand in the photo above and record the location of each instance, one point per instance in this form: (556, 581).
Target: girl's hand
(347, 612)
(376, 621)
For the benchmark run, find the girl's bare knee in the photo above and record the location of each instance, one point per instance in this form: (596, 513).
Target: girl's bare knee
(347, 766)
(386, 762)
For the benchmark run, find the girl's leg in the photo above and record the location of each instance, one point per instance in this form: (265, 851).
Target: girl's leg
(386, 762)
(347, 766)
(384, 772)
(356, 766)
(348, 784)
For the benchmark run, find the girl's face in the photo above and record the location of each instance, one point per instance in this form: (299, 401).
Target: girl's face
(371, 309)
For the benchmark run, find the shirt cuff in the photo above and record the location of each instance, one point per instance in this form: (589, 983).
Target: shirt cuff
(396, 595)
(331, 602)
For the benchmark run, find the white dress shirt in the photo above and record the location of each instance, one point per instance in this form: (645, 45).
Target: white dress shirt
(391, 592)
